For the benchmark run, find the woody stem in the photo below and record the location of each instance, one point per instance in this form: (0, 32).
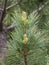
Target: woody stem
(25, 51)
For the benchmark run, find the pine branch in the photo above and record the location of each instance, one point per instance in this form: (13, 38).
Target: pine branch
(25, 51)
(40, 8)
(17, 3)
(13, 25)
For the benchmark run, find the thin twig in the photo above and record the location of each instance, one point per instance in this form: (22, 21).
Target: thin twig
(40, 8)
(13, 25)
(17, 3)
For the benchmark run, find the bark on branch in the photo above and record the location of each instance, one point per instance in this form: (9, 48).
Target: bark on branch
(3, 15)
(4, 11)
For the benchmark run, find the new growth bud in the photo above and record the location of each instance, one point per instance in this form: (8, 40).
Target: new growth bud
(24, 18)
(25, 39)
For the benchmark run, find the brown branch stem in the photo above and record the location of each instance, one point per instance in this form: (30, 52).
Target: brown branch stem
(25, 58)
(25, 51)
(13, 25)
(3, 15)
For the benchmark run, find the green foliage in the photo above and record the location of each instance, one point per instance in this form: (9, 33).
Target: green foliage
(37, 32)
(36, 46)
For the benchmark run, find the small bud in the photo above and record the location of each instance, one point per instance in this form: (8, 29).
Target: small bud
(25, 35)
(24, 18)
(25, 39)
